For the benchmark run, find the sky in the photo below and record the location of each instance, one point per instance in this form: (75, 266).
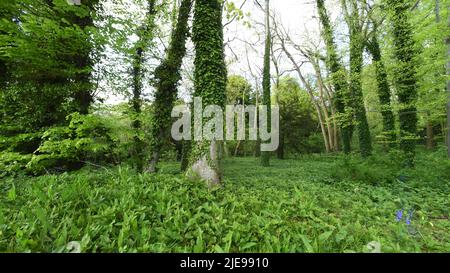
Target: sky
(297, 16)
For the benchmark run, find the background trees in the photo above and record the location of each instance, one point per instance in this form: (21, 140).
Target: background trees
(58, 59)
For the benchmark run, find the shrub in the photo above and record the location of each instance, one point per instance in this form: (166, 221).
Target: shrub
(87, 138)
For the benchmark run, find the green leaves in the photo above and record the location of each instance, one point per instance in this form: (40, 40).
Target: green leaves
(292, 207)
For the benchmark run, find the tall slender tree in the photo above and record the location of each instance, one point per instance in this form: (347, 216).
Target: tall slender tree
(210, 84)
(383, 89)
(167, 76)
(448, 91)
(355, 24)
(266, 98)
(145, 33)
(338, 78)
(405, 75)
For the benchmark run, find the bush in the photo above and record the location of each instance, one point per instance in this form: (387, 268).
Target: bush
(87, 138)
(13, 163)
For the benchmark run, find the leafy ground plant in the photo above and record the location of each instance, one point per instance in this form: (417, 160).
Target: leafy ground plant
(294, 206)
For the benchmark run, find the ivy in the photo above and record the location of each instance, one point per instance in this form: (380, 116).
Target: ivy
(167, 76)
(210, 75)
(338, 78)
(405, 79)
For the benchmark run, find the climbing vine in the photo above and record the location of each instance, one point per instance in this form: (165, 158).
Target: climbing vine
(210, 73)
(405, 79)
(338, 79)
(167, 76)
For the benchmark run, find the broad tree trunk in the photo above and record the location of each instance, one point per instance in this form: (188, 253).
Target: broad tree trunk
(210, 84)
(406, 77)
(84, 95)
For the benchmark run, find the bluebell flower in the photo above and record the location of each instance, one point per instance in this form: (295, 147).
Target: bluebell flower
(399, 215)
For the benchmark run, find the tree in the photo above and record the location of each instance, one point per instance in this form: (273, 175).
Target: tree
(405, 79)
(448, 92)
(167, 76)
(83, 58)
(355, 24)
(338, 78)
(383, 89)
(265, 156)
(145, 33)
(210, 85)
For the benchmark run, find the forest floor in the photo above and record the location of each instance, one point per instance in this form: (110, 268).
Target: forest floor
(310, 204)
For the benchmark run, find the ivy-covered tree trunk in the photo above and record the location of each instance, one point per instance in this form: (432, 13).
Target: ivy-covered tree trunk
(338, 78)
(448, 91)
(355, 88)
(405, 75)
(144, 34)
(210, 84)
(167, 76)
(265, 156)
(384, 93)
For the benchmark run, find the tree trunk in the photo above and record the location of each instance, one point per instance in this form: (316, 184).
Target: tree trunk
(83, 61)
(356, 64)
(405, 78)
(280, 150)
(167, 76)
(383, 90)
(448, 91)
(265, 156)
(210, 79)
(338, 77)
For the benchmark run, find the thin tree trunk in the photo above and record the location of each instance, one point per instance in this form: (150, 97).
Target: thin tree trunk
(448, 90)
(430, 133)
(265, 156)
(167, 76)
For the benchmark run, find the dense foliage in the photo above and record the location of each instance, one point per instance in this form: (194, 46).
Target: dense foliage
(315, 204)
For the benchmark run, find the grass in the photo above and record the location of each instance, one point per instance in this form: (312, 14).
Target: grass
(310, 204)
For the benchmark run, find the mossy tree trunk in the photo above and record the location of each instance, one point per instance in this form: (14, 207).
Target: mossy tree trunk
(167, 76)
(265, 156)
(210, 84)
(383, 90)
(405, 75)
(356, 98)
(448, 91)
(338, 78)
(145, 34)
